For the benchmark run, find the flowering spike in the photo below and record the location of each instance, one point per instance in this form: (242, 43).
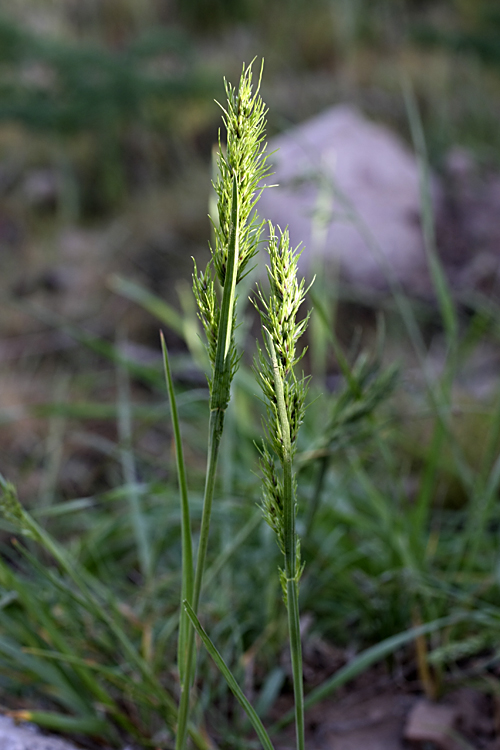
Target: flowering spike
(245, 158)
(284, 396)
(242, 166)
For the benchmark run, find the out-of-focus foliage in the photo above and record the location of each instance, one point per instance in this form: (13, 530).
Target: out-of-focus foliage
(116, 97)
(476, 31)
(65, 87)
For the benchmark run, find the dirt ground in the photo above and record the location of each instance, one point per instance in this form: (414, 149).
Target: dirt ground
(385, 709)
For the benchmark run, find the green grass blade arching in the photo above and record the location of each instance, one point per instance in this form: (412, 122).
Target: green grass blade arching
(187, 543)
(91, 725)
(180, 324)
(160, 309)
(231, 681)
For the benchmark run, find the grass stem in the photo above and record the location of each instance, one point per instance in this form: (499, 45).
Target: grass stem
(292, 564)
(223, 370)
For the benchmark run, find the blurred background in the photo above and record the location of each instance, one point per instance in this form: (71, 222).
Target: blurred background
(107, 124)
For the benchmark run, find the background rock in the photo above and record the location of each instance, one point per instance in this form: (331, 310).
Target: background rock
(26, 737)
(431, 723)
(469, 223)
(349, 190)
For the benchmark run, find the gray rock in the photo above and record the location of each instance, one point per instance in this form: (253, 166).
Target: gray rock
(432, 723)
(469, 224)
(27, 737)
(349, 190)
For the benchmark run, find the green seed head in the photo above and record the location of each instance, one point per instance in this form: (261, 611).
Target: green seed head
(241, 166)
(244, 157)
(284, 394)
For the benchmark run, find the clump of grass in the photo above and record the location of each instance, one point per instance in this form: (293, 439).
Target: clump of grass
(88, 693)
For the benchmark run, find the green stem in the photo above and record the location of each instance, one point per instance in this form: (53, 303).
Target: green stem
(292, 588)
(219, 399)
(223, 365)
(290, 550)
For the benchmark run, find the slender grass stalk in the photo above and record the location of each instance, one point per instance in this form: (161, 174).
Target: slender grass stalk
(293, 567)
(284, 396)
(441, 286)
(241, 169)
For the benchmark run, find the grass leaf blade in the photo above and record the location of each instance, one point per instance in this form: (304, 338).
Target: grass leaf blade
(229, 677)
(187, 543)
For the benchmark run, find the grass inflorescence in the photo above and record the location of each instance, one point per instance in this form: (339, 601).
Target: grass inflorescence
(284, 396)
(237, 231)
